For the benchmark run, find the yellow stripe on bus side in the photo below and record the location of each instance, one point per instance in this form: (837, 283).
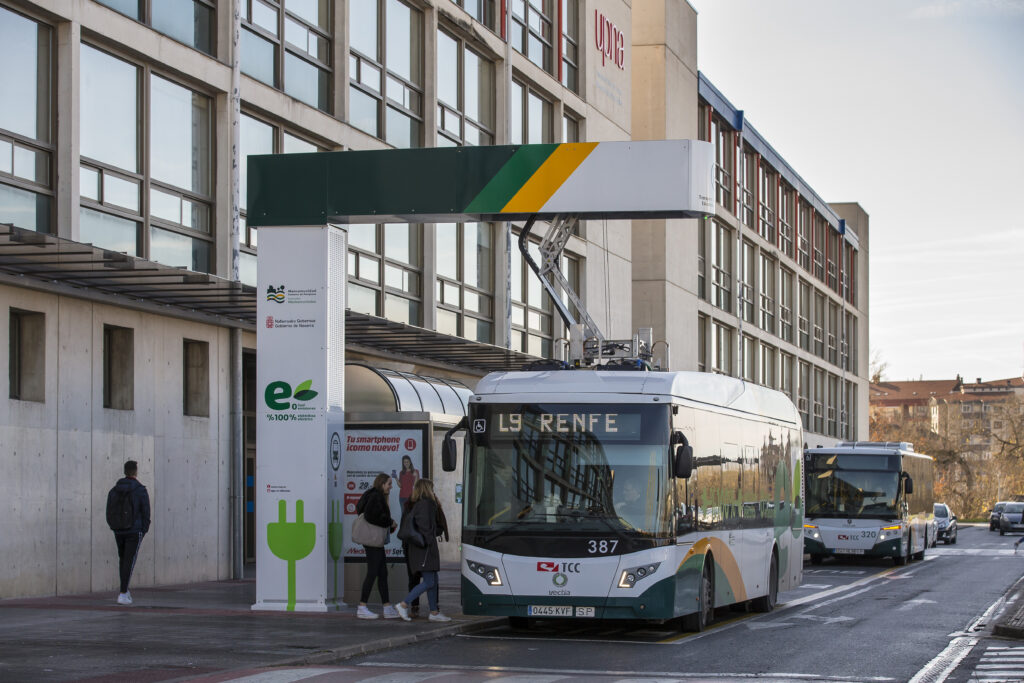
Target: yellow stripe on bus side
(549, 177)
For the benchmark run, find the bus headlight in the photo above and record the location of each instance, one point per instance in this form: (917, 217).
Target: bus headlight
(631, 576)
(488, 573)
(890, 532)
(811, 531)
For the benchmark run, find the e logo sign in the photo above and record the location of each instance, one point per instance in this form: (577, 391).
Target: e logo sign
(277, 394)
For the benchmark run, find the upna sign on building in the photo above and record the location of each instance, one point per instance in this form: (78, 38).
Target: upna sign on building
(609, 40)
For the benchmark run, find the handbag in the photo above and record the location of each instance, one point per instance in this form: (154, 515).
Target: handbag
(409, 533)
(365, 533)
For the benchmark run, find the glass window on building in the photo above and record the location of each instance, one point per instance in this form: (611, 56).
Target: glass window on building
(749, 361)
(484, 11)
(803, 236)
(721, 266)
(833, 407)
(164, 214)
(571, 44)
(834, 333)
(767, 293)
(385, 271)
(787, 216)
(535, 325)
(786, 365)
(702, 343)
(748, 276)
(287, 45)
(386, 71)
(530, 116)
(748, 180)
(464, 254)
(786, 305)
(570, 128)
(767, 202)
(530, 31)
(187, 21)
(725, 154)
(721, 348)
(832, 245)
(26, 122)
(766, 366)
(465, 94)
(803, 386)
(818, 246)
(259, 137)
(804, 315)
(818, 324)
(818, 403)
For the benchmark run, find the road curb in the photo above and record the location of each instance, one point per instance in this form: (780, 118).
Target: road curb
(345, 652)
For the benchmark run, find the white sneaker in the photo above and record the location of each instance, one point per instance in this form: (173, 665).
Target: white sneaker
(390, 613)
(124, 599)
(439, 617)
(402, 612)
(364, 613)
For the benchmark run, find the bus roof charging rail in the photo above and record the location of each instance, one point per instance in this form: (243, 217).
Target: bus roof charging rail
(587, 345)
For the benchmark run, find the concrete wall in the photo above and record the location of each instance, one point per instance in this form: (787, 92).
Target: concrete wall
(61, 456)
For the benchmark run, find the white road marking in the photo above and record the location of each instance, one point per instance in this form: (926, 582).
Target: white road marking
(648, 675)
(285, 675)
(945, 662)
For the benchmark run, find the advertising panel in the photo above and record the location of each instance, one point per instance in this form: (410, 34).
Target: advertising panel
(370, 451)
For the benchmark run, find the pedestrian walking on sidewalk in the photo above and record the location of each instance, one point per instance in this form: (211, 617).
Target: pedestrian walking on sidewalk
(412, 571)
(374, 508)
(426, 559)
(128, 517)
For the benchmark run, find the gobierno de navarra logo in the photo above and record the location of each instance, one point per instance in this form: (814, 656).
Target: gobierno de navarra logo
(275, 294)
(280, 396)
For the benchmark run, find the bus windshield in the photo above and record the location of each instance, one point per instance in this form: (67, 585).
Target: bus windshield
(568, 467)
(839, 486)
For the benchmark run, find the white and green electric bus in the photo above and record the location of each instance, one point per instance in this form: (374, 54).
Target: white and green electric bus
(872, 499)
(628, 494)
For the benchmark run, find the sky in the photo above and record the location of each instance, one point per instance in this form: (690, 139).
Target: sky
(914, 109)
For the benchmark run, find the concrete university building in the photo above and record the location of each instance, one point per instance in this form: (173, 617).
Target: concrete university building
(128, 268)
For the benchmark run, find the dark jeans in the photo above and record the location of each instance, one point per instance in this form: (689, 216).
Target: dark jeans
(127, 551)
(376, 570)
(414, 577)
(428, 586)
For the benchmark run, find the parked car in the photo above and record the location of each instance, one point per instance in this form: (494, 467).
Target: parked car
(945, 524)
(993, 515)
(1011, 518)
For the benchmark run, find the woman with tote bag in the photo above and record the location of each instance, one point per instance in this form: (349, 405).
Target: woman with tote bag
(374, 510)
(425, 559)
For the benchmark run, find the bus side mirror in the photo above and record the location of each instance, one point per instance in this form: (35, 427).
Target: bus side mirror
(449, 450)
(449, 454)
(908, 486)
(682, 462)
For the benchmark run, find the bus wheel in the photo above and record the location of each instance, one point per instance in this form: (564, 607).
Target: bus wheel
(920, 555)
(519, 623)
(903, 557)
(767, 603)
(698, 621)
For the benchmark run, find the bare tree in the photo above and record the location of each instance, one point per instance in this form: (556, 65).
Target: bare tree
(877, 367)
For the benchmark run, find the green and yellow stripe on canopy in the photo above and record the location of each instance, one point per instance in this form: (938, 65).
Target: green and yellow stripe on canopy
(641, 179)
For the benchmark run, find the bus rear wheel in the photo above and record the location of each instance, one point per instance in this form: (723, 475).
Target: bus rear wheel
(767, 602)
(904, 555)
(699, 620)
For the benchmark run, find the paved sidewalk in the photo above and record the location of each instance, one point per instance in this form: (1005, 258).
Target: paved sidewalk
(177, 632)
(1010, 621)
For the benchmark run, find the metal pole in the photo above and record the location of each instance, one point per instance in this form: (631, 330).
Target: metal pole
(237, 488)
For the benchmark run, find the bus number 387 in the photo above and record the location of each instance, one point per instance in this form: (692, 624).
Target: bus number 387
(595, 547)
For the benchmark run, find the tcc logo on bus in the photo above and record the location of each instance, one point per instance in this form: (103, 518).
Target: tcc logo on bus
(567, 567)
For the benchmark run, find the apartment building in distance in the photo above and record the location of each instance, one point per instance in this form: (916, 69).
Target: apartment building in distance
(127, 285)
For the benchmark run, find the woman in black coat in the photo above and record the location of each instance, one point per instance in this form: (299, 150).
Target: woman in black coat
(374, 508)
(426, 510)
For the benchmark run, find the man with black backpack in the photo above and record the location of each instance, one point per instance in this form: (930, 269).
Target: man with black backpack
(128, 518)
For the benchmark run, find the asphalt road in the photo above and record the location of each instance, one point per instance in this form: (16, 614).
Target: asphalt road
(864, 620)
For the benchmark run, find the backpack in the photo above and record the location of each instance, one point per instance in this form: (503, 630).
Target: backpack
(120, 510)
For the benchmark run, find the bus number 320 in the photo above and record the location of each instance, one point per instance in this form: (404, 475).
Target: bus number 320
(595, 547)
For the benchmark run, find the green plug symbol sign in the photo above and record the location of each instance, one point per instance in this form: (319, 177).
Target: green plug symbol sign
(334, 533)
(291, 541)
